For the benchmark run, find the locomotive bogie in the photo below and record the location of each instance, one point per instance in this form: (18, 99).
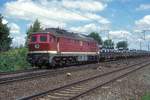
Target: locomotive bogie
(54, 60)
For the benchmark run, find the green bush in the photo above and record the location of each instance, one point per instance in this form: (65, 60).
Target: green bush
(146, 96)
(14, 59)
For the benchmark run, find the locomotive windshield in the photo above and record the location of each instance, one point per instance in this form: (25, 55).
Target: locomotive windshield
(43, 38)
(33, 39)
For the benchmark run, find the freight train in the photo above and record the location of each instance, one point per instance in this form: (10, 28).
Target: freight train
(55, 47)
(108, 54)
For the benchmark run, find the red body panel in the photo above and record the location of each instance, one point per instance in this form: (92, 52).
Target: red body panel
(72, 45)
(62, 44)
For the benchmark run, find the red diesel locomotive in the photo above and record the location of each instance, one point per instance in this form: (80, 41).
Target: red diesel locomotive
(54, 46)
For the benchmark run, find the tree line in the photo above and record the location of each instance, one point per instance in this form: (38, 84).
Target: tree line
(108, 43)
(6, 40)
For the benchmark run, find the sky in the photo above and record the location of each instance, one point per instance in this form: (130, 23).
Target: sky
(122, 19)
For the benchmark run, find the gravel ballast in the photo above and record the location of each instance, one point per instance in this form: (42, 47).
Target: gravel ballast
(19, 89)
(132, 87)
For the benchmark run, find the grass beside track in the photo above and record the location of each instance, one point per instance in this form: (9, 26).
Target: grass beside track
(14, 59)
(146, 96)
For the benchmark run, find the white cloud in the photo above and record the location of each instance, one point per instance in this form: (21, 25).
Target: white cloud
(88, 28)
(119, 34)
(133, 38)
(57, 13)
(143, 23)
(45, 14)
(52, 23)
(97, 18)
(18, 37)
(143, 7)
(18, 40)
(147, 37)
(85, 5)
(4, 21)
(14, 28)
(53, 13)
(123, 35)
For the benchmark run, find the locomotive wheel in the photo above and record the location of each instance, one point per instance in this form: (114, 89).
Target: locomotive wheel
(49, 66)
(53, 64)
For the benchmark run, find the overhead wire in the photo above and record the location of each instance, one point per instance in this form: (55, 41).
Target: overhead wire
(65, 8)
(72, 11)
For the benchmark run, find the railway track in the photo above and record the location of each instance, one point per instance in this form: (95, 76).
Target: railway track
(37, 73)
(7, 77)
(36, 69)
(18, 71)
(16, 76)
(76, 89)
(30, 70)
(34, 73)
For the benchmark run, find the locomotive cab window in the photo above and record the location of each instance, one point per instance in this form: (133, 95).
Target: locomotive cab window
(43, 38)
(51, 38)
(33, 39)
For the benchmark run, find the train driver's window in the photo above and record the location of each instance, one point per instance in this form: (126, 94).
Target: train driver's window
(51, 38)
(88, 43)
(43, 38)
(33, 39)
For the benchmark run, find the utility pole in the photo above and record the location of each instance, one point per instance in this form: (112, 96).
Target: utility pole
(148, 46)
(106, 31)
(144, 42)
(124, 37)
(143, 31)
(144, 38)
(140, 45)
(108, 37)
(108, 34)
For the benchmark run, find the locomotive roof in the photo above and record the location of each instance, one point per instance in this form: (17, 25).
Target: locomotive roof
(64, 33)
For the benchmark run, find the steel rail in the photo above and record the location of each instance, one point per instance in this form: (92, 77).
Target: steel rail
(18, 71)
(112, 80)
(41, 74)
(41, 94)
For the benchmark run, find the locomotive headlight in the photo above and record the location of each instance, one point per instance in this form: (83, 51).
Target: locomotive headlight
(37, 46)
